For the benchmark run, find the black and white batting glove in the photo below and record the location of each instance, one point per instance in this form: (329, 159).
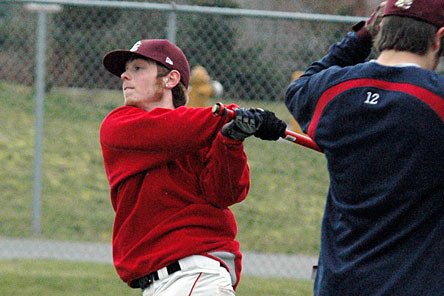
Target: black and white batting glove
(272, 128)
(246, 122)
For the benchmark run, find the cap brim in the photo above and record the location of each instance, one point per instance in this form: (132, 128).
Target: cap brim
(115, 61)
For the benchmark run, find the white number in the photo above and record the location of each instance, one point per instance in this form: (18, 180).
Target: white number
(372, 98)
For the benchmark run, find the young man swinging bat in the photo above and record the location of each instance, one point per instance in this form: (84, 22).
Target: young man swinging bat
(174, 172)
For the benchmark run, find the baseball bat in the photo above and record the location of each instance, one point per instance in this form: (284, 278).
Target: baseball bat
(220, 110)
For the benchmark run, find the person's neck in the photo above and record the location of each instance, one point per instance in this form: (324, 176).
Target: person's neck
(393, 58)
(166, 102)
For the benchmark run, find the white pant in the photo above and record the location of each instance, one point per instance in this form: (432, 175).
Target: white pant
(199, 276)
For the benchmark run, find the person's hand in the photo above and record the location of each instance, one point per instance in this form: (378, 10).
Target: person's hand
(272, 128)
(246, 122)
(373, 24)
(371, 27)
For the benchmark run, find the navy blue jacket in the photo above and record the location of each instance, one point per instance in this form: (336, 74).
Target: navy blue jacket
(382, 131)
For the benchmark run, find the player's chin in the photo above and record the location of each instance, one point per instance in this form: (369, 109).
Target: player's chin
(129, 101)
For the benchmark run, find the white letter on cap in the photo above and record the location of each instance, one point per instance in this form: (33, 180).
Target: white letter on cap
(168, 61)
(136, 46)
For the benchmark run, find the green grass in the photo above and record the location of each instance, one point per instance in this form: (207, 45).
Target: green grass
(281, 214)
(50, 278)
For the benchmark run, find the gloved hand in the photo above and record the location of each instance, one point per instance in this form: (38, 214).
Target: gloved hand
(246, 122)
(373, 23)
(272, 128)
(371, 27)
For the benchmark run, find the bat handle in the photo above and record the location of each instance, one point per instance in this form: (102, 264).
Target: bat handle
(219, 109)
(301, 139)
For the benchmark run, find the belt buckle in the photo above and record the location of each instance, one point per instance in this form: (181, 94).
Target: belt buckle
(146, 281)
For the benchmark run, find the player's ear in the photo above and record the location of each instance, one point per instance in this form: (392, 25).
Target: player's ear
(439, 37)
(172, 79)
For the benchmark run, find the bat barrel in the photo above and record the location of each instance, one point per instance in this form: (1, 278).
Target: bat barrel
(302, 140)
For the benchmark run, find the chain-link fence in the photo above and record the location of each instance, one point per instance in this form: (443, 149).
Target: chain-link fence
(253, 54)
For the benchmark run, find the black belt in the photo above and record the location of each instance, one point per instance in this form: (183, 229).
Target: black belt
(146, 281)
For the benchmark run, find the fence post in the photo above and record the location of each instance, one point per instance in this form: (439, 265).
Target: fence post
(40, 85)
(172, 24)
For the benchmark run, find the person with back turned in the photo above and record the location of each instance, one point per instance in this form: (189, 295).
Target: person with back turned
(380, 124)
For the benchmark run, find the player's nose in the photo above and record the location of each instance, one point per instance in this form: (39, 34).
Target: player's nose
(125, 75)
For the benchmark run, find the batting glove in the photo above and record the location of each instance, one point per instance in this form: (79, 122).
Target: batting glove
(246, 122)
(272, 128)
(373, 23)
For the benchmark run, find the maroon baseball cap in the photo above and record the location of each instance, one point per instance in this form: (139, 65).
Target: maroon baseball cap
(160, 50)
(430, 11)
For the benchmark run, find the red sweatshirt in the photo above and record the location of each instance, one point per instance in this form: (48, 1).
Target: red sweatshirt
(172, 177)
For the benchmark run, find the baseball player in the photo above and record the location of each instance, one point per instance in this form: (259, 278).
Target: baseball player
(173, 172)
(380, 124)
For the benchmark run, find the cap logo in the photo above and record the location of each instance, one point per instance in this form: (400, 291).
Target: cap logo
(136, 46)
(404, 4)
(168, 61)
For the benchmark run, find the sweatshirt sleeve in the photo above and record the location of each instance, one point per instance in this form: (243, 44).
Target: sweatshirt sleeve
(134, 140)
(178, 130)
(226, 177)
